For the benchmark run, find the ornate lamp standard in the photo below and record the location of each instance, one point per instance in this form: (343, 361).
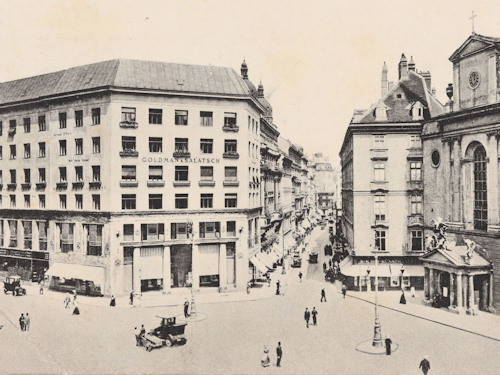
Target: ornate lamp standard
(190, 232)
(377, 330)
(402, 272)
(368, 281)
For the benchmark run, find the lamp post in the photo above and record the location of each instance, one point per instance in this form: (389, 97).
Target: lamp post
(377, 330)
(368, 282)
(402, 272)
(283, 271)
(190, 232)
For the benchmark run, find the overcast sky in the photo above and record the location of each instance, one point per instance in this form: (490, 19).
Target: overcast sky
(318, 60)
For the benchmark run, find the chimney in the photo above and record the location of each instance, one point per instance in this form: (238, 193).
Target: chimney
(403, 67)
(411, 65)
(427, 78)
(385, 86)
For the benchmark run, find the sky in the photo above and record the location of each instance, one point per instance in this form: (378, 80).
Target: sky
(318, 60)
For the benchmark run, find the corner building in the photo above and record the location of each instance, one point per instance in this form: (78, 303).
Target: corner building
(131, 176)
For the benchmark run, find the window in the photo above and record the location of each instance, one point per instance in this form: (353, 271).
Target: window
(231, 228)
(41, 175)
(27, 234)
(42, 234)
(13, 233)
(153, 232)
(62, 120)
(12, 176)
(62, 174)
(480, 190)
(41, 149)
(230, 119)
(94, 239)
(416, 240)
(380, 240)
(12, 201)
(181, 117)
(42, 125)
(231, 200)
(379, 141)
(181, 145)
(78, 118)
(178, 231)
(27, 201)
(128, 202)
(78, 201)
(206, 118)
(62, 201)
(206, 146)
(210, 229)
(27, 151)
(128, 114)
(128, 255)
(128, 232)
(415, 141)
(66, 235)
(79, 174)
(41, 201)
(155, 144)
(96, 116)
(129, 172)
(155, 173)
(206, 173)
(27, 176)
(230, 174)
(181, 201)
(27, 125)
(155, 201)
(181, 173)
(435, 158)
(62, 147)
(155, 116)
(96, 173)
(416, 171)
(379, 171)
(416, 204)
(230, 145)
(207, 201)
(79, 146)
(12, 152)
(96, 145)
(96, 202)
(128, 143)
(379, 207)
(12, 128)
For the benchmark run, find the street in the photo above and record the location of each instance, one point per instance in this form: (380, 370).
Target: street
(232, 337)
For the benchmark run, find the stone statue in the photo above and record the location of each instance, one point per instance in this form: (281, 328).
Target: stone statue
(440, 229)
(471, 245)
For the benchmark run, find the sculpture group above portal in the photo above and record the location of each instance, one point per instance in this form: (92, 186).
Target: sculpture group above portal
(437, 241)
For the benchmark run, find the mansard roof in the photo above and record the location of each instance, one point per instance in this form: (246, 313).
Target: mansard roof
(475, 43)
(128, 74)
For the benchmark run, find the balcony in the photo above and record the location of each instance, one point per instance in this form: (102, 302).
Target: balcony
(416, 219)
(378, 154)
(129, 124)
(415, 153)
(206, 183)
(231, 128)
(129, 183)
(231, 183)
(414, 185)
(181, 154)
(95, 185)
(11, 186)
(155, 183)
(78, 185)
(61, 185)
(41, 185)
(379, 185)
(230, 155)
(129, 153)
(182, 183)
(25, 186)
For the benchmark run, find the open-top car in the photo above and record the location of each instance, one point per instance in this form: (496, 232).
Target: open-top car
(313, 257)
(167, 334)
(13, 284)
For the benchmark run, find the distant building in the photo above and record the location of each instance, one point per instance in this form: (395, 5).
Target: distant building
(324, 182)
(382, 188)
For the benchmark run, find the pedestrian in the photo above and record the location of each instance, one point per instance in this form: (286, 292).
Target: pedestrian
(323, 295)
(113, 301)
(324, 267)
(314, 312)
(137, 333)
(268, 278)
(76, 310)
(388, 343)
(307, 316)
(186, 308)
(265, 361)
(279, 353)
(425, 365)
(300, 276)
(27, 322)
(344, 290)
(132, 298)
(67, 300)
(277, 288)
(21, 322)
(74, 295)
(143, 331)
(402, 300)
(41, 283)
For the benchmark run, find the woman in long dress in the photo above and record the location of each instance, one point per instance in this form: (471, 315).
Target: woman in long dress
(265, 361)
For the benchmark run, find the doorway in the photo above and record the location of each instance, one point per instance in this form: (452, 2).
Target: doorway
(181, 261)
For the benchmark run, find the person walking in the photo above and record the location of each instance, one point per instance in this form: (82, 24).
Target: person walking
(323, 295)
(27, 322)
(300, 276)
(279, 353)
(143, 330)
(314, 312)
(76, 310)
(186, 308)
(425, 365)
(41, 284)
(21, 322)
(402, 300)
(137, 334)
(131, 298)
(278, 288)
(388, 343)
(113, 301)
(307, 316)
(344, 290)
(265, 361)
(67, 300)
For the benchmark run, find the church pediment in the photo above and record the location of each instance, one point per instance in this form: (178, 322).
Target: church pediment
(474, 44)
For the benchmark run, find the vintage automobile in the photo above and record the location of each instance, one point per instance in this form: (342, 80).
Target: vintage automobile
(296, 261)
(313, 257)
(167, 334)
(13, 284)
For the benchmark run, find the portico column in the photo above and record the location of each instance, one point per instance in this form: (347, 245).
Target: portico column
(166, 269)
(426, 283)
(223, 266)
(456, 181)
(492, 179)
(136, 272)
(431, 284)
(452, 289)
(471, 291)
(195, 272)
(491, 306)
(459, 291)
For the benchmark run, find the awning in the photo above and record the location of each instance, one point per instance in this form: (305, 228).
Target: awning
(413, 270)
(266, 259)
(258, 264)
(77, 271)
(347, 268)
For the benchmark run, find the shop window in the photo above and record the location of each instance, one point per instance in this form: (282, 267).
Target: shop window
(27, 234)
(94, 239)
(153, 232)
(210, 229)
(42, 234)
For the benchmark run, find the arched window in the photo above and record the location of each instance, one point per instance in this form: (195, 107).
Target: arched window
(480, 190)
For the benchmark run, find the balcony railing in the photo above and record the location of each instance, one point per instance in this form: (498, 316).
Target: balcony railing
(231, 183)
(95, 185)
(26, 186)
(41, 185)
(155, 183)
(181, 154)
(231, 128)
(11, 187)
(78, 185)
(61, 185)
(129, 153)
(129, 183)
(417, 219)
(230, 155)
(206, 183)
(382, 185)
(414, 185)
(415, 153)
(181, 183)
(129, 124)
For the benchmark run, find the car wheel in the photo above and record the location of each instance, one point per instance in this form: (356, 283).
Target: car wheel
(168, 342)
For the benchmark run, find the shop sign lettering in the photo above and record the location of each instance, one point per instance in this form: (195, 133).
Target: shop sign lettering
(181, 160)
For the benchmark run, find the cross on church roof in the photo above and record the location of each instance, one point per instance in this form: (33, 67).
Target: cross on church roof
(472, 19)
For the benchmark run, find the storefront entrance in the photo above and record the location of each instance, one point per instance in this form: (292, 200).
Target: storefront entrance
(444, 282)
(181, 261)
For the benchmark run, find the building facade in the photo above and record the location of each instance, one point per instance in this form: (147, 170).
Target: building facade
(325, 187)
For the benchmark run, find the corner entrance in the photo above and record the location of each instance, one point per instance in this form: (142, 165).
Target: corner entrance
(181, 262)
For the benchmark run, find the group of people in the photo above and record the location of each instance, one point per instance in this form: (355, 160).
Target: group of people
(24, 322)
(139, 334)
(67, 303)
(266, 361)
(308, 314)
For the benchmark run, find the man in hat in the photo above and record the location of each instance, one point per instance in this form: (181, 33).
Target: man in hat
(425, 365)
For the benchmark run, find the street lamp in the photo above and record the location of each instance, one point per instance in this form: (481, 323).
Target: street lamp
(402, 272)
(377, 330)
(190, 232)
(368, 283)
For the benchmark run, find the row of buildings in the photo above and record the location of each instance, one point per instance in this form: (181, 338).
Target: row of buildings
(132, 175)
(429, 207)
